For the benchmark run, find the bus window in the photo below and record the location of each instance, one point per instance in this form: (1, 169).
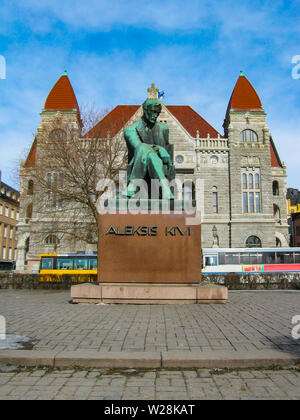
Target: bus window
(211, 260)
(253, 258)
(259, 258)
(232, 258)
(268, 258)
(93, 263)
(245, 258)
(285, 258)
(64, 263)
(47, 264)
(297, 257)
(80, 263)
(222, 258)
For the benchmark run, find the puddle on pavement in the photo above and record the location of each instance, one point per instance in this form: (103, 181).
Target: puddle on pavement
(15, 342)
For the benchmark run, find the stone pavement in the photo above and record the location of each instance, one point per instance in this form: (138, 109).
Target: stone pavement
(248, 322)
(171, 341)
(155, 384)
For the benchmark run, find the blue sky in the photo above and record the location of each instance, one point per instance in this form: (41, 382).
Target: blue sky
(113, 50)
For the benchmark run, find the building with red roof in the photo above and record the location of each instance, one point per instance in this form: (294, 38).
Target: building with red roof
(244, 177)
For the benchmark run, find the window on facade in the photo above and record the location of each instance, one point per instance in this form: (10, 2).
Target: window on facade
(28, 213)
(188, 190)
(215, 200)
(51, 240)
(5, 231)
(6, 212)
(275, 187)
(251, 193)
(1, 209)
(253, 242)
(248, 136)
(3, 252)
(245, 202)
(30, 187)
(244, 181)
(251, 181)
(55, 186)
(276, 213)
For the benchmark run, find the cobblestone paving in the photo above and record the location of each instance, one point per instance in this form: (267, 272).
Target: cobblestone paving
(194, 384)
(249, 321)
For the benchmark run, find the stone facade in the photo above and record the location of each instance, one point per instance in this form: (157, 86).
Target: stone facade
(238, 168)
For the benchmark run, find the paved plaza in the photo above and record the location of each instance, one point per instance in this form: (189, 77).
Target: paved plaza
(248, 321)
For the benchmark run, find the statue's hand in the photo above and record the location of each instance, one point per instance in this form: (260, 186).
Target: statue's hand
(164, 155)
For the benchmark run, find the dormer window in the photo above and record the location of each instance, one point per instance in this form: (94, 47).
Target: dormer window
(248, 136)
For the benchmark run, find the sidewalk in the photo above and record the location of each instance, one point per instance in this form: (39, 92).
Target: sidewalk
(253, 329)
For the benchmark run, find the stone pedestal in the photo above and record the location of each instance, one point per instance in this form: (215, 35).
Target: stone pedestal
(148, 248)
(147, 293)
(148, 259)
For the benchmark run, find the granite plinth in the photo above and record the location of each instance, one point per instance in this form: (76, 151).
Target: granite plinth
(148, 293)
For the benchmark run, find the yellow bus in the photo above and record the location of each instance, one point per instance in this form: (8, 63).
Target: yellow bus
(53, 267)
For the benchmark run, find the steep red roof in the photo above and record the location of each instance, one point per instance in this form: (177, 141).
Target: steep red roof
(61, 96)
(113, 121)
(120, 115)
(275, 159)
(244, 97)
(30, 160)
(192, 121)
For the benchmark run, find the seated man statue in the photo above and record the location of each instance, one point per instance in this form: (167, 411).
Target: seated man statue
(148, 158)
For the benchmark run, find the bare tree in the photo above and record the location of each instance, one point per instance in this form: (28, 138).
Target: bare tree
(70, 160)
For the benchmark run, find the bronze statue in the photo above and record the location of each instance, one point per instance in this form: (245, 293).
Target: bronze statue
(150, 156)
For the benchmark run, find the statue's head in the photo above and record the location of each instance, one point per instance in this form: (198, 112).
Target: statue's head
(152, 109)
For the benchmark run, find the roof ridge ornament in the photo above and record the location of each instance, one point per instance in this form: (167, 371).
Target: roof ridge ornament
(153, 92)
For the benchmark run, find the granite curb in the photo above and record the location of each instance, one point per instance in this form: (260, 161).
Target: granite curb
(150, 360)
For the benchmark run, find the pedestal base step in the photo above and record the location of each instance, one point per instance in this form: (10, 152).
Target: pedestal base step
(148, 293)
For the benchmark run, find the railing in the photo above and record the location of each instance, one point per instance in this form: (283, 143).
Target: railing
(209, 143)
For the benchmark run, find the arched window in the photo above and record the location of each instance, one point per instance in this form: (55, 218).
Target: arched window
(52, 240)
(30, 187)
(278, 243)
(276, 213)
(275, 187)
(248, 136)
(250, 181)
(253, 242)
(245, 184)
(188, 190)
